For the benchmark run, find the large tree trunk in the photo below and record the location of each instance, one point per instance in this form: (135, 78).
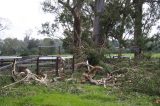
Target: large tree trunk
(97, 36)
(77, 24)
(138, 28)
(75, 9)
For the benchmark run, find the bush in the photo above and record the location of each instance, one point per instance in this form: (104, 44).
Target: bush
(4, 80)
(147, 56)
(142, 81)
(95, 56)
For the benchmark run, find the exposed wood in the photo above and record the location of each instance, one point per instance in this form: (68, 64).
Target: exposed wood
(27, 76)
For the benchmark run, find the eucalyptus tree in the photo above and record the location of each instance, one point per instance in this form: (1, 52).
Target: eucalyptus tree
(116, 21)
(70, 10)
(76, 17)
(99, 10)
(143, 22)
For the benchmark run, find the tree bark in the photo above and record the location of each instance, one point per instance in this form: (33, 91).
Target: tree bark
(77, 24)
(75, 10)
(97, 36)
(138, 27)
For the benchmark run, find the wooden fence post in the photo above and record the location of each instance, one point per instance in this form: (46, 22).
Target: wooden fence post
(57, 65)
(37, 70)
(73, 64)
(159, 62)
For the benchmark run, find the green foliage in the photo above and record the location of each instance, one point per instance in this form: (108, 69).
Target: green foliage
(107, 67)
(29, 46)
(95, 56)
(4, 80)
(144, 79)
(147, 56)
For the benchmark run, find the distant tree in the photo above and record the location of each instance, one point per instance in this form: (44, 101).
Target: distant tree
(154, 43)
(12, 47)
(51, 46)
(4, 24)
(33, 43)
(1, 46)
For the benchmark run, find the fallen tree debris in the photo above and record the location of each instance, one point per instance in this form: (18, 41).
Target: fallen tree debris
(26, 76)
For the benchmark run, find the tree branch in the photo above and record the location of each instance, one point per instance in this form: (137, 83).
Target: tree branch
(66, 5)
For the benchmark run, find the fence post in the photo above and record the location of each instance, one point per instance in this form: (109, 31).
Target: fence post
(37, 70)
(57, 65)
(159, 62)
(73, 64)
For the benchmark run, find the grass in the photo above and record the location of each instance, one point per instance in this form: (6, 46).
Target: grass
(156, 55)
(31, 95)
(73, 94)
(131, 55)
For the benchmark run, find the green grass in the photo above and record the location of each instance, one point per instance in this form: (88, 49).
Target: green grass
(31, 95)
(156, 55)
(131, 55)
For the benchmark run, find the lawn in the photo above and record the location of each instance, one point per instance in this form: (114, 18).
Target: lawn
(156, 55)
(87, 95)
(131, 55)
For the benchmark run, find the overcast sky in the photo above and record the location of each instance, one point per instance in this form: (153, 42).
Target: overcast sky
(24, 15)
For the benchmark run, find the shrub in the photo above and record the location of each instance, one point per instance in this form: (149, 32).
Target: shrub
(4, 80)
(95, 56)
(147, 56)
(142, 81)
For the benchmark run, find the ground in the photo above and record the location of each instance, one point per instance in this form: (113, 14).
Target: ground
(143, 91)
(72, 95)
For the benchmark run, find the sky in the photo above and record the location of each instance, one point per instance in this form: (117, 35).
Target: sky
(24, 16)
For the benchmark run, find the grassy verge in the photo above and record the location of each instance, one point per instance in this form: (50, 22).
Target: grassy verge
(31, 95)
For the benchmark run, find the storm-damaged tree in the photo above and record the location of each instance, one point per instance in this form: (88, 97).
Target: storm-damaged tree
(73, 10)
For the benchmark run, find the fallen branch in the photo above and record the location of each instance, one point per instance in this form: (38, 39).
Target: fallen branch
(27, 76)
